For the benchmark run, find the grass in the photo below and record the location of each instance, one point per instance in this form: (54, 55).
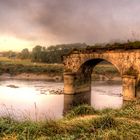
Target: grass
(80, 110)
(104, 127)
(81, 123)
(16, 66)
(106, 69)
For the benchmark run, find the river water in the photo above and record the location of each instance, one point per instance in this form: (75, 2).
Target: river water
(32, 99)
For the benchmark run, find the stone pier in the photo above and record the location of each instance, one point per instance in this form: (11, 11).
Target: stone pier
(129, 87)
(75, 93)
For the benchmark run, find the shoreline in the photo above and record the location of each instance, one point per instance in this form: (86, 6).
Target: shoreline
(52, 77)
(31, 76)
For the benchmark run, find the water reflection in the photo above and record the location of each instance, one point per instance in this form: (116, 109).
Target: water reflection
(31, 99)
(27, 102)
(106, 95)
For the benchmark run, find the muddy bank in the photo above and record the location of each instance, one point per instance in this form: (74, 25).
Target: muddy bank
(105, 77)
(55, 78)
(31, 76)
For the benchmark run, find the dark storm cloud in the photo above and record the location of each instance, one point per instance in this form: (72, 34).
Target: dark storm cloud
(68, 21)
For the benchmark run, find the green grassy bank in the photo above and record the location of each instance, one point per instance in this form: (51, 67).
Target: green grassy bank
(17, 66)
(81, 123)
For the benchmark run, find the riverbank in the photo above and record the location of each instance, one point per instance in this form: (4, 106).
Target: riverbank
(53, 77)
(27, 70)
(82, 122)
(32, 76)
(20, 70)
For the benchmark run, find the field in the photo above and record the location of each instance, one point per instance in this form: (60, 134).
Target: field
(81, 123)
(17, 66)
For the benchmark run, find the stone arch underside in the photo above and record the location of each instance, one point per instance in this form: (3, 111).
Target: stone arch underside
(92, 62)
(87, 67)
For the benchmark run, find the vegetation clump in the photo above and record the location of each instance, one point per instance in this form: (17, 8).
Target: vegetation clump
(15, 69)
(81, 110)
(104, 122)
(125, 46)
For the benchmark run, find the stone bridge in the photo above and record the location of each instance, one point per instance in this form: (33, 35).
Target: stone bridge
(78, 67)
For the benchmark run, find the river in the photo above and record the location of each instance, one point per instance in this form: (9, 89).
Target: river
(23, 99)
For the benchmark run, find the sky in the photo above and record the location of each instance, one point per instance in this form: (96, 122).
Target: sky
(27, 23)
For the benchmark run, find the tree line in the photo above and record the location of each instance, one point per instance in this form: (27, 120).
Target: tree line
(51, 54)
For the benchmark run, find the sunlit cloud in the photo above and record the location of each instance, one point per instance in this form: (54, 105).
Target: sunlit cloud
(12, 43)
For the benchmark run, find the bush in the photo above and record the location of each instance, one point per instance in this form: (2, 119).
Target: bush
(80, 110)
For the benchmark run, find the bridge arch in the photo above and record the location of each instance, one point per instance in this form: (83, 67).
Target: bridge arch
(78, 68)
(79, 83)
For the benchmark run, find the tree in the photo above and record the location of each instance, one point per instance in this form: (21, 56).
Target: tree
(36, 53)
(11, 54)
(25, 54)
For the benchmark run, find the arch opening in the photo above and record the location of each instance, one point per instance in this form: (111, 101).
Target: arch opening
(90, 64)
(106, 86)
(104, 82)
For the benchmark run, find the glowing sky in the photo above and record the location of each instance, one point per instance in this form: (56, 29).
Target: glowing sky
(26, 23)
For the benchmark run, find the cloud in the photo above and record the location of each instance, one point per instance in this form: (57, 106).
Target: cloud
(67, 21)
